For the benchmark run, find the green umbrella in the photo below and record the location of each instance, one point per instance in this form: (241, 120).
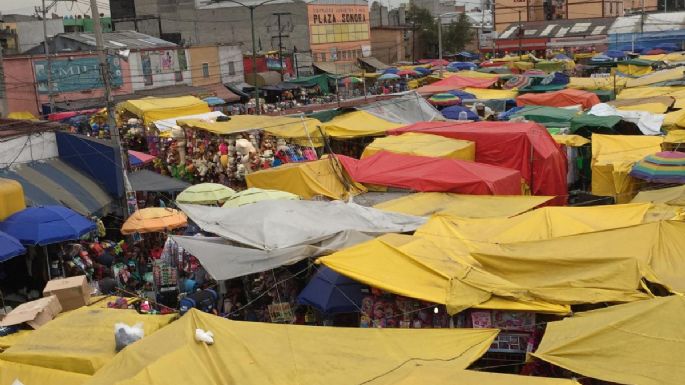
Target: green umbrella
(254, 195)
(205, 194)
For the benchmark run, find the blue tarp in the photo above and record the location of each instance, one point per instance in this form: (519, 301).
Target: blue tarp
(96, 158)
(647, 40)
(463, 95)
(331, 293)
(460, 65)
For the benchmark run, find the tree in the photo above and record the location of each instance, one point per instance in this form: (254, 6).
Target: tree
(425, 30)
(457, 35)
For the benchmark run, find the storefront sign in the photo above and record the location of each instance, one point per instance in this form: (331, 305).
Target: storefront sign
(338, 14)
(79, 74)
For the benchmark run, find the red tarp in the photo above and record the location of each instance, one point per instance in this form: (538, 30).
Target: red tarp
(70, 114)
(421, 173)
(455, 82)
(562, 98)
(510, 145)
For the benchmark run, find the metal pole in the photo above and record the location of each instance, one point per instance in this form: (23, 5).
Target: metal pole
(520, 33)
(3, 94)
(440, 44)
(254, 60)
(107, 82)
(46, 46)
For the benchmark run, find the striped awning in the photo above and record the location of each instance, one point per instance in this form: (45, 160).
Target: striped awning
(53, 182)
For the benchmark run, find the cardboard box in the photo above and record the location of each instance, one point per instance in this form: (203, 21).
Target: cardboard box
(35, 313)
(72, 292)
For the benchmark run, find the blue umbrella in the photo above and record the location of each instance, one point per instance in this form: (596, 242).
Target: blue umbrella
(461, 65)
(9, 247)
(463, 95)
(454, 111)
(391, 70)
(388, 77)
(615, 54)
(422, 70)
(45, 225)
(332, 293)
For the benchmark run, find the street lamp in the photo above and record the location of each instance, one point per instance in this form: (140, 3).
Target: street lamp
(254, 46)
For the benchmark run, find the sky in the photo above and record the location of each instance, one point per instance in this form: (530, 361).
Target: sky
(62, 8)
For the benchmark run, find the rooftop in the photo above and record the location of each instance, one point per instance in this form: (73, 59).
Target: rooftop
(119, 40)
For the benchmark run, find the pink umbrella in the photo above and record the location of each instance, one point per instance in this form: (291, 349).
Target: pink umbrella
(408, 73)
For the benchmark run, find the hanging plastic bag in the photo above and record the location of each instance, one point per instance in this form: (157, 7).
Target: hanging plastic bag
(125, 335)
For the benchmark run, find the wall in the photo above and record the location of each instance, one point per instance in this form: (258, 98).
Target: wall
(387, 45)
(231, 73)
(223, 22)
(197, 57)
(30, 33)
(507, 12)
(338, 32)
(22, 82)
(159, 68)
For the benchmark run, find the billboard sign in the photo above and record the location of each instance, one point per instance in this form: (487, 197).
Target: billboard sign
(77, 74)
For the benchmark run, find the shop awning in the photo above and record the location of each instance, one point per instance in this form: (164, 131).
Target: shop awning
(337, 68)
(373, 63)
(54, 182)
(152, 109)
(146, 180)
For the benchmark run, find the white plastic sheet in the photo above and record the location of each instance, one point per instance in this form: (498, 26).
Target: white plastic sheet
(648, 123)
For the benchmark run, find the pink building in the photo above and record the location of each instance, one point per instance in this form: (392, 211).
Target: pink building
(76, 79)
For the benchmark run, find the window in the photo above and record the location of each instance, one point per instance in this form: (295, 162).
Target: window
(205, 70)
(231, 68)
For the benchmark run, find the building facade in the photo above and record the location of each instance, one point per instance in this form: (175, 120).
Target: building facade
(507, 12)
(391, 44)
(84, 23)
(339, 32)
(20, 33)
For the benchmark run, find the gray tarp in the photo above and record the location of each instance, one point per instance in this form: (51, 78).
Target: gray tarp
(146, 180)
(271, 225)
(223, 260)
(407, 109)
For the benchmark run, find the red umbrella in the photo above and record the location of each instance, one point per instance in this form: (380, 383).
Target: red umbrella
(439, 62)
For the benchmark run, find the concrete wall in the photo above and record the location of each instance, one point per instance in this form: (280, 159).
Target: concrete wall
(30, 33)
(224, 23)
(387, 45)
(165, 66)
(201, 58)
(231, 64)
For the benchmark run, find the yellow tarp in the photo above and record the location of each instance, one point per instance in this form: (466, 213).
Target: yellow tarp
(463, 275)
(10, 372)
(674, 196)
(22, 115)
(605, 84)
(636, 343)
(273, 354)
(667, 57)
(308, 180)
(487, 93)
(80, 341)
(675, 136)
(9, 340)
(571, 140)
(465, 206)
(539, 224)
(646, 92)
(674, 120)
(152, 109)
(11, 197)
(612, 159)
(443, 373)
(423, 145)
(357, 123)
(634, 70)
(656, 77)
(281, 126)
(654, 108)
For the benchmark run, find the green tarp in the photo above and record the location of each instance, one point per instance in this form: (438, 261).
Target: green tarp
(550, 66)
(597, 124)
(325, 115)
(543, 88)
(320, 80)
(547, 116)
(638, 62)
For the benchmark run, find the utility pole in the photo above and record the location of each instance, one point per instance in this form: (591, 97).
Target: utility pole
(3, 94)
(46, 46)
(280, 43)
(440, 43)
(520, 33)
(107, 82)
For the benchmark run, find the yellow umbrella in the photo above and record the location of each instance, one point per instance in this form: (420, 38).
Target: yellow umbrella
(153, 219)
(205, 194)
